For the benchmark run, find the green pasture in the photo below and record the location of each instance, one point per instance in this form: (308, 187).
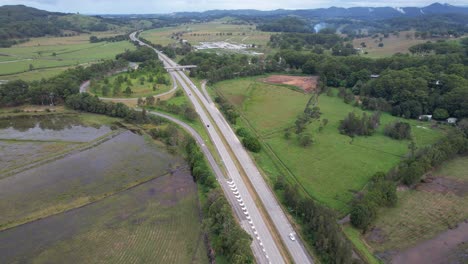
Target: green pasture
(334, 167)
(26, 60)
(138, 89)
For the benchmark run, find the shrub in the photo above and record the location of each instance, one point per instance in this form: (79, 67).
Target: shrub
(251, 143)
(398, 130)
(242, 132)
(440, 114)
(353, 125)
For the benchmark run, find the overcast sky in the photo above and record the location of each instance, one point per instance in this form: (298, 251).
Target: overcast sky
(169, 6)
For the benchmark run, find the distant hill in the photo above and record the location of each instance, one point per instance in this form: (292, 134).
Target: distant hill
(364, 13)
(19, 22)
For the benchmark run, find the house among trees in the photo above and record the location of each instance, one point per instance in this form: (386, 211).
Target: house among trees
(425, 117)
(452, 120)
(374, 76)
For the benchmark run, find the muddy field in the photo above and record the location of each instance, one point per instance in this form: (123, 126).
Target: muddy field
(447, 247)
(105, 168)
(149, 223)
(307, 83)
(430, 223)
(114, 196)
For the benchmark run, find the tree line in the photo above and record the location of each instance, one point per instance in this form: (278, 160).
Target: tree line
(216, 68)
(224, 233)
(286, 24)
(319, 224)
(94, 39)
(56, 89)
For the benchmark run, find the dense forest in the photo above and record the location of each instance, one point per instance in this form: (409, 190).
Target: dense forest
(405, 85)
(222, 67)
(286, 24)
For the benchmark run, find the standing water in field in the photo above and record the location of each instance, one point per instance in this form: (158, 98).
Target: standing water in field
(49, 127)
(121, 200)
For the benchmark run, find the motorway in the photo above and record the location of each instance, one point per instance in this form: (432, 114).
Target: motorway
(237, 205)
(262, 236)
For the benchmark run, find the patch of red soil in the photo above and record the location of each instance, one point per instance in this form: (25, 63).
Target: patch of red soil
(306, 83)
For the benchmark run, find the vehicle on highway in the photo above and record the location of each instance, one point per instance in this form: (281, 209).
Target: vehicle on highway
(291, 236)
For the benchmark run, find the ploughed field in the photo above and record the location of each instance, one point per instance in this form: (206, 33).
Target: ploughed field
(73, 190)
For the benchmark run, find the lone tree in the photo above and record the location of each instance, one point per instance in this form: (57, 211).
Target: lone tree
(305, 139)
(128, 91)
(362, 214)
(398, 130)
(150, 100)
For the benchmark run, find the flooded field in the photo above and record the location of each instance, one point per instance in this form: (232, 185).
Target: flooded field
(19, 153)
(49, 128)
(156, 222)
(120, 199)
(108, 167)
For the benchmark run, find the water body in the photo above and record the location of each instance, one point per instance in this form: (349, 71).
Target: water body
(105, 168)
(48, 128)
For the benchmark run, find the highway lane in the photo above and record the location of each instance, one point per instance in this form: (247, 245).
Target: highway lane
(296, 248)
(226, 187)
(262, 233)
(264, 247)
(282, 224)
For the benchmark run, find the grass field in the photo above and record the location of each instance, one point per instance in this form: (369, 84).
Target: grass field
(26, 60)
(392, 45)
(206, 32)
(82, 38)
(421, 214)
(333, 168)
(138, 89)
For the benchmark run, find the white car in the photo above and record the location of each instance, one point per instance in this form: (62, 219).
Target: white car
(291, 236)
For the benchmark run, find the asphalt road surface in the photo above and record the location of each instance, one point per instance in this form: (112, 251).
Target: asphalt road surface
(208, 112)
(238, 206)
